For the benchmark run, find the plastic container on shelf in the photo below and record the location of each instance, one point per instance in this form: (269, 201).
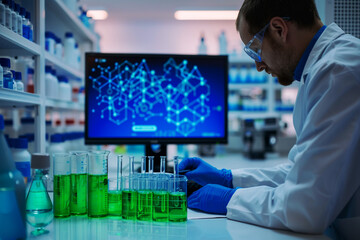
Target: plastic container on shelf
(2, 13)
(8, 14)
(8, 79)
(64, 89)
(14, 21)
(58, 48)
(21, 156)
(18, 81)
(223, 44)
(9, 128)
(69, 49)
(30, 81)
(22, 13)
(51, 83)
(21, 65)
(202, 48)
(50, 42)
(29, 25)
(27, 125)
(31, 143)
(81, 97)
(243, 74)
(19, 19)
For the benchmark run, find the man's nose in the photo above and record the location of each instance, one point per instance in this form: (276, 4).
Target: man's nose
(260, 66)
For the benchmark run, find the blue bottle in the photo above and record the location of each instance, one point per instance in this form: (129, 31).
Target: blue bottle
(12, 194)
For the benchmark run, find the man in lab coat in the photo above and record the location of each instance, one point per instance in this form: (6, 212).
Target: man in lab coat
(318, 189)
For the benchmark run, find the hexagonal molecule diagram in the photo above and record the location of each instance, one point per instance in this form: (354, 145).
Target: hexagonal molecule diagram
(132, 90)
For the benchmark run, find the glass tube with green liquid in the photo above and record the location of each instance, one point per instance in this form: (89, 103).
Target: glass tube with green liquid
(145, 194)
(98, 184)
(79, 182)
(129, 193)
(62, 184)
(177, 196)
(161, 194)
(115, 195)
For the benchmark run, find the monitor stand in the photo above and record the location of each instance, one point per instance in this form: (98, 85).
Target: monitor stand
(156, 150)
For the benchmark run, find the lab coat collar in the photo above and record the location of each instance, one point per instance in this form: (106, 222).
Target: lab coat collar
(332, 32)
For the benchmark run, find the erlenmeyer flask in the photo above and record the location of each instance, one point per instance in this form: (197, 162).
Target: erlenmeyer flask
(39, 211)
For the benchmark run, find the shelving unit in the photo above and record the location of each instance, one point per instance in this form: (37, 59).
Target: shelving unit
(11, 44)
(271, 86)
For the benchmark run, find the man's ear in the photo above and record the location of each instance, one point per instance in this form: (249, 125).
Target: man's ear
(279, 28)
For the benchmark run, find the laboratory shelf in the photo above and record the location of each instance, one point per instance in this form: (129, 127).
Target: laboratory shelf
(240, 59)
(238, 86)
(12, 44)
(68, 18)
(62, 68)
(63, 105)
(11, 98)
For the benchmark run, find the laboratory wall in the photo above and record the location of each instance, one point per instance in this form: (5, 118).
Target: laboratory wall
(181, 37)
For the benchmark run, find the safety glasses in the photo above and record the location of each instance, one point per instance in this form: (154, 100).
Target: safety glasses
(253, 47)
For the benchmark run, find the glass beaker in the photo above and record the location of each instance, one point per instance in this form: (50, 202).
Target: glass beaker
(161, 198)
(62, 185)
(79, 178)
(177, 198)
(98, 184)
(39, 211)
(145, 196)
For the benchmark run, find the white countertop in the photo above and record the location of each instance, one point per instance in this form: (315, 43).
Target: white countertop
(84, 228)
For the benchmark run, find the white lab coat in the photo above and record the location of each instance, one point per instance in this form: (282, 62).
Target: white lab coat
(320, 184)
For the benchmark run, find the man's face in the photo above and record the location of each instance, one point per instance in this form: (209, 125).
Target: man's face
(276, 58)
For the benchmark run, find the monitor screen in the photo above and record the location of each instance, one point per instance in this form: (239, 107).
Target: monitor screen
(155, 98)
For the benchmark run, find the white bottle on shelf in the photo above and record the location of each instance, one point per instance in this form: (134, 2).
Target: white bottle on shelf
(222, 44)
(50, 42)
(19, 19)
(69, 49)
(27, 125)
(2, 13)
(8, 14)
(51, 84)
(18, 81)
(64, 89)
(22, 13)
(13, 17)
(202, 49)
(21, 156)
(58, 48)
(55, 83)
(30, 26)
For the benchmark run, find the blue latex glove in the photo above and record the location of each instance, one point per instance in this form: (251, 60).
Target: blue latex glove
(211, 198)
(203, 173)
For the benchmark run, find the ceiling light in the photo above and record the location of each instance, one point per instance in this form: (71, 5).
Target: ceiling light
(206, 15)
(97, 14)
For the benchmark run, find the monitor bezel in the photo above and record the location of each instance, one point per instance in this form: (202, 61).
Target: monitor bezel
(102, 141)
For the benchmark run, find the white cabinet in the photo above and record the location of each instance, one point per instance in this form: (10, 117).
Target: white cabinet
(46, 15)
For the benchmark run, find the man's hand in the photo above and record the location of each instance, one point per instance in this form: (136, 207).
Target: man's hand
(211, 198)
(203, 173)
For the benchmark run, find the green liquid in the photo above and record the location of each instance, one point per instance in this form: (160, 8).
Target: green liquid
(62, 193)
(115, 203)
(78, 202)
(177, 207)
(145, 202)
(98, 195)
(129, 204)
(161, 206)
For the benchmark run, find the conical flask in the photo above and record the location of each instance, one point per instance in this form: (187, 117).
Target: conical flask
(39, 210)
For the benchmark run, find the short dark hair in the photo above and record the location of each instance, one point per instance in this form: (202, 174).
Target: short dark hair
(258, 13)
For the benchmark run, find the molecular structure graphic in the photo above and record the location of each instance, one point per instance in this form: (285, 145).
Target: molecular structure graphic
(133, 91)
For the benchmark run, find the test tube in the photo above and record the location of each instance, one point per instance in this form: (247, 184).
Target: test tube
(62, 185)
(98, 184)
(151, 164)
(79, 181)
(115, 195)
(162, 164)
(177, 196)
(161, 195)
(129, 193)
(145, 195)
